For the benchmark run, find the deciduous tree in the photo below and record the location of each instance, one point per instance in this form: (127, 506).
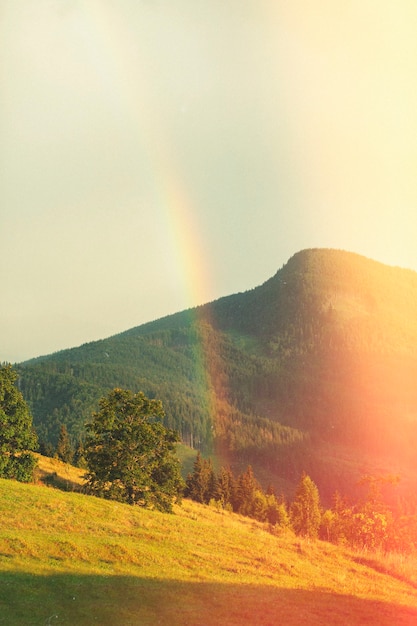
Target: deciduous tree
(17, 437)
(130, 453)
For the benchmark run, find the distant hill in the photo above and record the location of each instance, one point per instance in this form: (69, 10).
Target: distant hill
(316, 369)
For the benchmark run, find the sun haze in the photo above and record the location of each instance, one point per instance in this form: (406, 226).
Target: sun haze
(155, 155)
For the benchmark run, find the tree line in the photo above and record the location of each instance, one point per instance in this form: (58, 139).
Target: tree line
(367, 524)
(243, 494)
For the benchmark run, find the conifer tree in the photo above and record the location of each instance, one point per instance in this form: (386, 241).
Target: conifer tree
(226, 487)
(259, 506)
(64, 449)
(46, 448)
(194, 488)
(247, 485)
(305, 510)
(79, 455)
(202, 483)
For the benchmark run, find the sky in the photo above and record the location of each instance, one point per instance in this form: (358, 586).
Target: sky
(159, 154)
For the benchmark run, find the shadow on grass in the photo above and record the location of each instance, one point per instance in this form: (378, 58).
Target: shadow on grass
(52, 479)
(77, 600)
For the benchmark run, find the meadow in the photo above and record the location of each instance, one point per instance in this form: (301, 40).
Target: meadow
(75, 560)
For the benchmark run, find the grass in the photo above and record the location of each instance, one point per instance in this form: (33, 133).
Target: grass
(70, 559)
(55, 473)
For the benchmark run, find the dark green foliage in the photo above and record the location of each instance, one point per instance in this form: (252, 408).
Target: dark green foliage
(17, 437)
(243, 494)
(64, 449)
(226, 487)
(201, 485)
(247, 486)
(46, 449)
(190, 368)
(79, 459)
(130, 454)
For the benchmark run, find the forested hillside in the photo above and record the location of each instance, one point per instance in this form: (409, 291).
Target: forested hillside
(323, 356)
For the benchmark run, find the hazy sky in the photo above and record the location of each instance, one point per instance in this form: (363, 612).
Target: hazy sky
(157, 154)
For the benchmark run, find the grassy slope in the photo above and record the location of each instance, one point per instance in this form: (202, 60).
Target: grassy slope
(70, 559)
(55, 473)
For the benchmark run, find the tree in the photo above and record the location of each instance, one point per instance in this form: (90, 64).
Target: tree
(130, 454)
(202, 483)
(79, 455)
(64, 449)
(372, 522)
(17, 437)
(276, 512)
(305, 510)
(46, 449)
(226, 487)
(247, 486)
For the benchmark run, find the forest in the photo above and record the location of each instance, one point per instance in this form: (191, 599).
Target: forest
(319, 359)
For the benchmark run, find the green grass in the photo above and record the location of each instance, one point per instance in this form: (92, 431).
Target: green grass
(70, 559)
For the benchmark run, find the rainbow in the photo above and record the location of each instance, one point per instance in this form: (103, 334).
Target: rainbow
(108, 38)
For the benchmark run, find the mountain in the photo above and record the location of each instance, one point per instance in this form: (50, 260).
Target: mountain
(313, 370)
